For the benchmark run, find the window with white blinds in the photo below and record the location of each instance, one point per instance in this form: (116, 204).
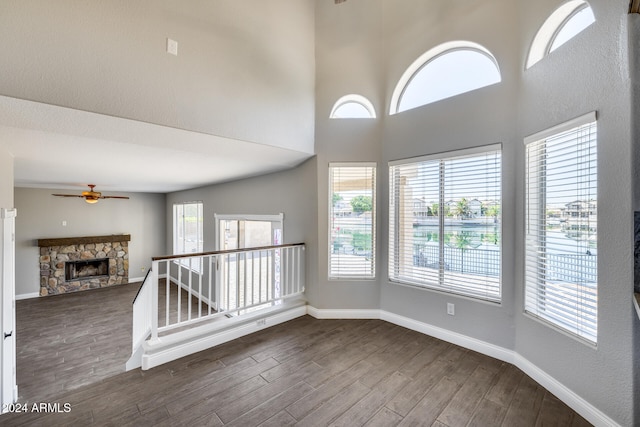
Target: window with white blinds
(561, 264)
(445, 228)
(187, 232)
(352, 220)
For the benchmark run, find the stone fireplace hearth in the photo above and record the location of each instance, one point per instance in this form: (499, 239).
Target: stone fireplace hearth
(79, 263)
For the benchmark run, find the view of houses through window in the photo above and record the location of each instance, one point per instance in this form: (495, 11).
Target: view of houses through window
(561, 227)
(352, 214)
(445, 222)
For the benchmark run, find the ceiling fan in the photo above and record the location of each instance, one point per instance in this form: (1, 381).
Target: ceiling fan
(91, 196)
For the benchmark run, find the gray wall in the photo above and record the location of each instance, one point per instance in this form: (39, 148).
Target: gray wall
(374, 42)
(591, 73)
(249, 78)
(364, 47)
(348, 61)
(634, 68)
(244, 70)
(40, 215)
(6, 179)
(291, 192)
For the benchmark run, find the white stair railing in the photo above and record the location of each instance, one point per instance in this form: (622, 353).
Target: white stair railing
(186, 290)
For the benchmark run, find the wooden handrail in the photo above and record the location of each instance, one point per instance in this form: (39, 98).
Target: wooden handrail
(229, 251)
(140, 289)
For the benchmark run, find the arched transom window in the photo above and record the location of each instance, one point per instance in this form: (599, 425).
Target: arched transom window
(562, 25)
(447, 70)
(353, 107)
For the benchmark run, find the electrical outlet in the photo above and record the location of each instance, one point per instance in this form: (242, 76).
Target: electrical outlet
(172, 47)
(451, 309)
(261, 322)
(64, 223)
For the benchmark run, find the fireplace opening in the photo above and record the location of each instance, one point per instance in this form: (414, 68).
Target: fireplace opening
(86, 269)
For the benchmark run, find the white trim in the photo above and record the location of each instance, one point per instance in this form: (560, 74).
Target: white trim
(574, 401)
(198, 339)
(585, 119)
(357, 99)
(27, 296)
(278, 218)
(133, 280)
(548, 31)
(8, 213)
(374, 220)
(562, 392)
(465, 341)
(250, 217)
(353, 164)
(483, 149)
(342, 313)
(427, 57)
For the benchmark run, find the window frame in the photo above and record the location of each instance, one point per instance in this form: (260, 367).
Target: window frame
(425, 59)
(580, 8)
(551, 27)
(355, 99)
(549, 320)
(394, 227)
(185, 262)
(272, 218)
(330, 215)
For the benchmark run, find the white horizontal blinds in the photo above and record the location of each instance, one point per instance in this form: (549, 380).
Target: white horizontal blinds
(445, 222)
(415, 254)
(561, 240)
(472, 230)
(352, 218)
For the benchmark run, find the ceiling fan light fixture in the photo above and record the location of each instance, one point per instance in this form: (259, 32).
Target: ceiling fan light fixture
(91, 196)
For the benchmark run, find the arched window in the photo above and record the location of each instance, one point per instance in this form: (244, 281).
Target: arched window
(353, 107)
(561, 26)
(444, 71)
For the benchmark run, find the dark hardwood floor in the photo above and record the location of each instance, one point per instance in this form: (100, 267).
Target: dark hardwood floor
(72, 349)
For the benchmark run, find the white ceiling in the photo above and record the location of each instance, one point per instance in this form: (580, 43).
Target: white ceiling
(63, 148)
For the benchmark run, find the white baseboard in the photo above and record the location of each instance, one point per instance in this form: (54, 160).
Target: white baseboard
(342, 314)
(574, 401)
(161, 352)
(465, 341)
(27, 296)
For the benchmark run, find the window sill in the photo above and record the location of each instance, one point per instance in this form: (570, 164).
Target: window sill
(636, 303)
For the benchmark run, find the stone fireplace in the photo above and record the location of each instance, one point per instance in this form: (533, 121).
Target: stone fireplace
(78, 263)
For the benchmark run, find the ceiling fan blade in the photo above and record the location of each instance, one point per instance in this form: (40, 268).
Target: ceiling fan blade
(91, 196)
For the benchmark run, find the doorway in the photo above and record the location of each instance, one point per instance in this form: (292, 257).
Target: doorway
(242, 232)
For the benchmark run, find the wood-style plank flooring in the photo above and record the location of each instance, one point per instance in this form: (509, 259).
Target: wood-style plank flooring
(72, 349)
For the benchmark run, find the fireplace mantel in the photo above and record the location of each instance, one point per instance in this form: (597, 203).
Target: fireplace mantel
(65, 241)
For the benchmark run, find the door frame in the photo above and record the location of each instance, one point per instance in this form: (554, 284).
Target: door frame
(241, 217)
(8, 382)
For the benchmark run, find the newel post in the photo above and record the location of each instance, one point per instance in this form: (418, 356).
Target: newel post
(155, 266)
